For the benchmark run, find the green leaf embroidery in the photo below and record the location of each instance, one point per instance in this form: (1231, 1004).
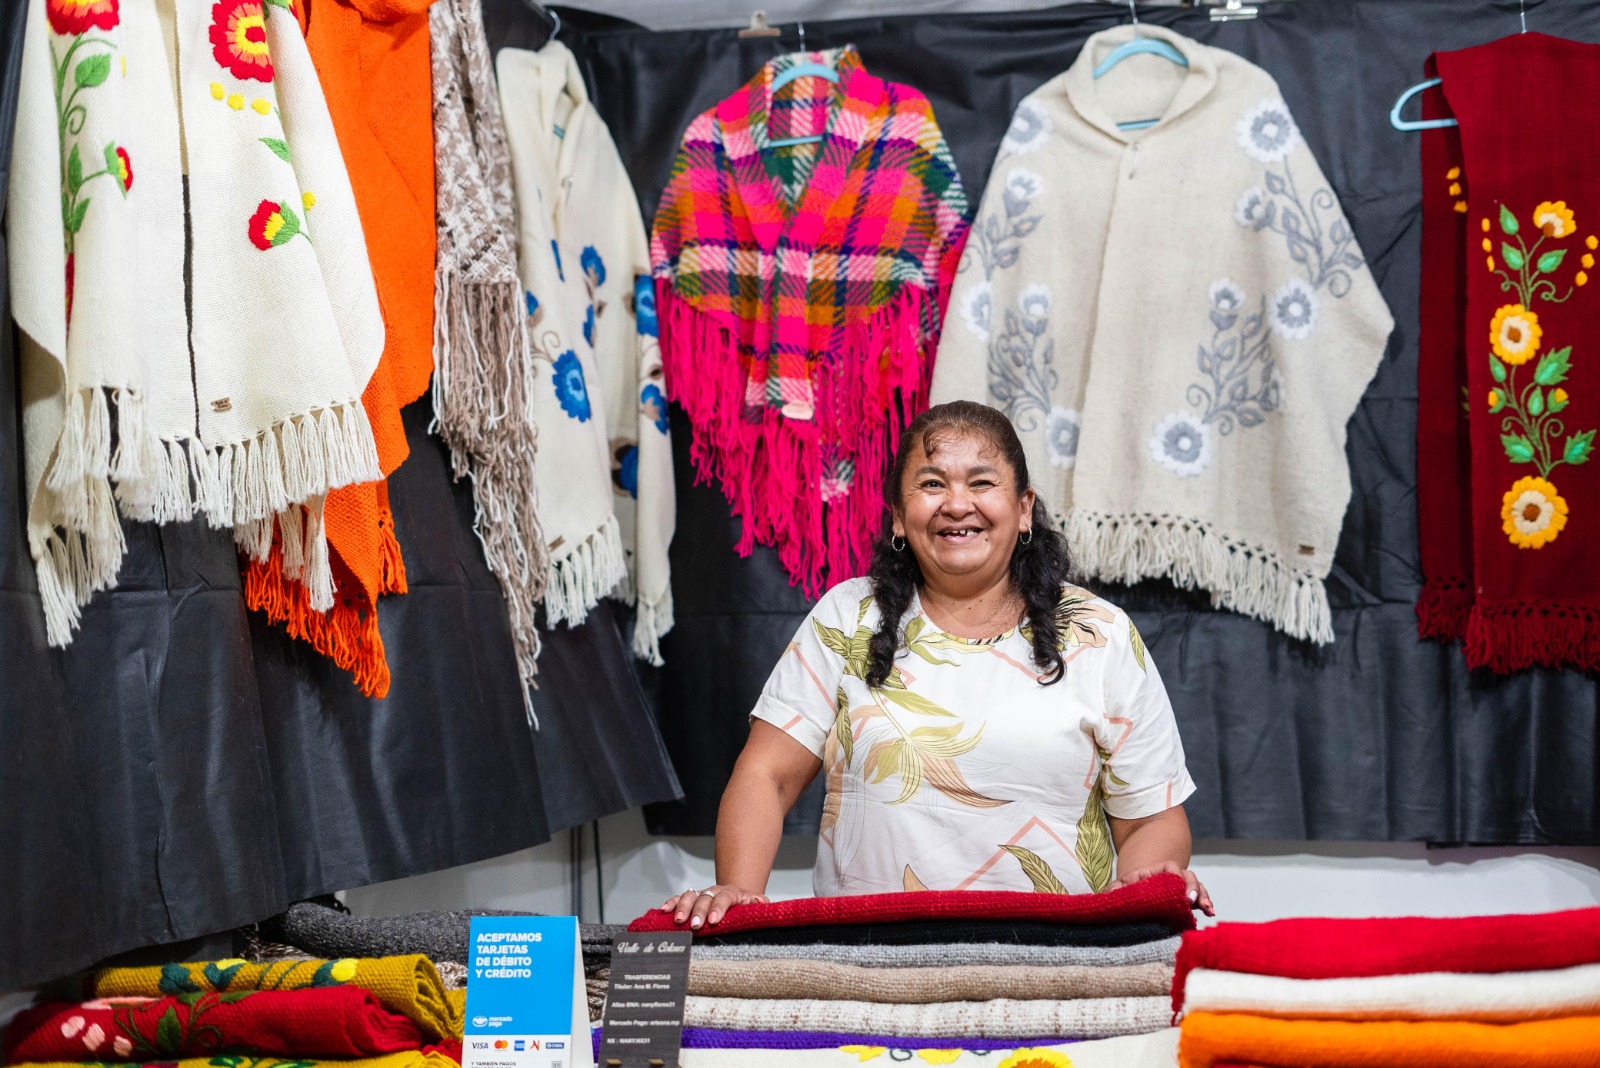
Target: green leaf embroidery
(1518, 449)
(290, 227)
(175, 980)
(1558, 400)
(1513, 257)
(74, 171)
(1551, 260)
(1094, 842)
(1508, 221)
(323, 976)
(280, 3)
(841, 725)
(1497, 369)
(1536, 402)
(75, 220)
(226, 1062)
(92, 71)
(168, 1033)
(235, 996)
(1579, 447)
(1553, 367)
(1138, 644)
(1037, 870)
(113, 164)
(279, 148)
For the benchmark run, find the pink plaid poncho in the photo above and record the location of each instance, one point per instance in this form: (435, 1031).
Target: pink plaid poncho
(800, 291)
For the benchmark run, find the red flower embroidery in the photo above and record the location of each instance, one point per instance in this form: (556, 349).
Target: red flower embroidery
(124, 169)
(239, 39)
(71, 278)
(272, 225)
(78, 16)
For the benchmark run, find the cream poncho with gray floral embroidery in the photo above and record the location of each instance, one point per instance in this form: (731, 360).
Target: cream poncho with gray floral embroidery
(1179, 322)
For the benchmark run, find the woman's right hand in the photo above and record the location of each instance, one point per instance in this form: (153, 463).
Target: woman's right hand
(705, 908)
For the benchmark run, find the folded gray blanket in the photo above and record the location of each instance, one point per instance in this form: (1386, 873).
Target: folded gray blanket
(934, 955)
(441, 936)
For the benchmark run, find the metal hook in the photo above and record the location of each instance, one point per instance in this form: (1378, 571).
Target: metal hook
(1134, 15)
(555, 17)
(800, 27)
(1522, 14)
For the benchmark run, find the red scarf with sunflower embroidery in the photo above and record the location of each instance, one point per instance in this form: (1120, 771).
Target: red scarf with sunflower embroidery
(1530, 342)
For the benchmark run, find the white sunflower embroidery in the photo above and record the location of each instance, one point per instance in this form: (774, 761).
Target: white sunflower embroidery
(1226, 296)
(1293, 310)
(1029, 127)
(1254, 209)
(1267, 132)
(977, 310)
(1035, 301)
(1182, 444)
(1061, 428)
(1023, 185)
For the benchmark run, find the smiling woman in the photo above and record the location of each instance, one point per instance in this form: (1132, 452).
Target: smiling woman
(982, 722)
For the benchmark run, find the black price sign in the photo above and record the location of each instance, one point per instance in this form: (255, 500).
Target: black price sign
(643, 1022)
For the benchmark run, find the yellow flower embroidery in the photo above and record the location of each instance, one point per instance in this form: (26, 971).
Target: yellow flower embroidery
(343, 970)
(1453, 173)
(1592, 242)
(1515, 333)
(1554, 218)
(1587, 260)
(865, 1053)
(1485, 225)
(236, 101)
(309, 199)
(1490, 261)
(1036, 1058)
(1494, 399)
(939, 1056)
(217, 92)
(1558, 399)
(261, 105)
(230, 962)
(1455, 189)
(1581, 278)
(1532, 513)
(1488, 246)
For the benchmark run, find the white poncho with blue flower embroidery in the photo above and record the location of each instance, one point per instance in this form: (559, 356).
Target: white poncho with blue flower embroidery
(1179, 322)
(604, 473)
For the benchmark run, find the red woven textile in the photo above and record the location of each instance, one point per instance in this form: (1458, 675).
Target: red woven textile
(1532, 346)
(1161, 898)
(1404, 945)
(345, 1022)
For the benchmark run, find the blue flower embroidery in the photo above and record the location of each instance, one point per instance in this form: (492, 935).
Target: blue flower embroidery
(533, 302)
(654, 403)
(644, 305)
(588, 326)
(627, 473)
(570, 388)
(593, 266)
(555, 250)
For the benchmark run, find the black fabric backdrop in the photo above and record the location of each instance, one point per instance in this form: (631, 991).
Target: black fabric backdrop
(183, 768)
(1379, 736)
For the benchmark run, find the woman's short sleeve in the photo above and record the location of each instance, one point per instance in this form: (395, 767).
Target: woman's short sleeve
(1144, 771)
(800, 697)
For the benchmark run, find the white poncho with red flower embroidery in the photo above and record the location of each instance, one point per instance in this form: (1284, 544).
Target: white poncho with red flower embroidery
(227, 385)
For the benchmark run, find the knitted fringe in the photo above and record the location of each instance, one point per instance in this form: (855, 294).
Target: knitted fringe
(1443, 608)
(483, 410)
(591, 570)
(1245, 578)
(770, 467)
(1509, 637)
(650, 623)
(75, 560)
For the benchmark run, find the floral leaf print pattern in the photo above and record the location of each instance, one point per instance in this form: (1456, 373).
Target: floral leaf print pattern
(1095, 854)
(571, 390)
(911, 882)
(1020, 357)
(594, 268)
(644, 306)
(1037, 870)
(1532, 431)
(653, 403)
(1240, 368)
(1137, 642)
(1076, 614)
(274, 224)
(239, 39)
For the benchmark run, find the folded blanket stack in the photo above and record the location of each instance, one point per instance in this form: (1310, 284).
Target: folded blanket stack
(999, 978)
(1344, 993)
(387, 1012)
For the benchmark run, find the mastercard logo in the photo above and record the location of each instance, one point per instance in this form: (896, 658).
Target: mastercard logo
(501, 1043)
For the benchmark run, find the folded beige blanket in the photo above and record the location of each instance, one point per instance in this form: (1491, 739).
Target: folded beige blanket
(1000, 1018)
(915, 986)
(1156, 1050)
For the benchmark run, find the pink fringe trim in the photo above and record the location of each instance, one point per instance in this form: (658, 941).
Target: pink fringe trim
(771, 467)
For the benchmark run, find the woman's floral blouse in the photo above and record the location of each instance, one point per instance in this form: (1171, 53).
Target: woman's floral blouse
(962, 771)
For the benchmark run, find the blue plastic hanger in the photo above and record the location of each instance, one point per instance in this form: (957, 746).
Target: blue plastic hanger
(1139, 45)
(1408, 125)
(800, 70)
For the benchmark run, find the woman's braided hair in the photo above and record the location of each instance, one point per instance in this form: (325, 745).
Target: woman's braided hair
(1038, 566)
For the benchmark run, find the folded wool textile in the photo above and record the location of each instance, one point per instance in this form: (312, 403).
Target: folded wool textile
(408, 985)
(331, 1022)
(456, 998)
(439, 936)
(1210, 1038)
(1162, 899)
(1506, 997)
(1162, 951)
(1154, 1050)
(453, 974)
(911, 986)
(717, 1038)
(919, 932)
(1402, 945)
(999, 1018)
(432, 1057)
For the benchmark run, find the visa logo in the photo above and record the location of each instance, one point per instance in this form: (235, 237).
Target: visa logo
(480, 1045)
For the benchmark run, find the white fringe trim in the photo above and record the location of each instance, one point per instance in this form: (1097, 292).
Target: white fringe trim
(1246, 578)
(587, 573)
(74, 562)
(651, 622)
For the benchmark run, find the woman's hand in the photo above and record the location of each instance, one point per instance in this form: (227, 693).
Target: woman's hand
(705, 908)
(1197, 892)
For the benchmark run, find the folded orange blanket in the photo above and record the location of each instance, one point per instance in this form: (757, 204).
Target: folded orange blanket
(1211, 1040)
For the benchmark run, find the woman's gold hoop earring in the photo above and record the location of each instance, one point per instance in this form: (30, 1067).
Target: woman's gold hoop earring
(897, 548)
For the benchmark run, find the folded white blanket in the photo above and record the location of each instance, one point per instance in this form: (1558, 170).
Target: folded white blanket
(1156, 1050)
(1498, 996)
(1001, 1018)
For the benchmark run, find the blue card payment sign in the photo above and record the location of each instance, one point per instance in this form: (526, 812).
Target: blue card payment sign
(526, 1005)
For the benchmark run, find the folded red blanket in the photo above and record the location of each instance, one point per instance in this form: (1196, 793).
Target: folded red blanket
(311, 1023)
(1162, 899)
(1402, 945)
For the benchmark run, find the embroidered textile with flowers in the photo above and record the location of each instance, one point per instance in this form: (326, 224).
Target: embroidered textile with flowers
(604, 475)
(1509, 398)
(801, 289)
(1180, 368)
(247, 409)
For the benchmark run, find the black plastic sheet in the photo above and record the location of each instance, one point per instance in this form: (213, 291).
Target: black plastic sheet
(1379, 736)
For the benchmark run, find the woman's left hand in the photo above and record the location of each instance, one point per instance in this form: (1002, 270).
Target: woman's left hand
(1197, 892)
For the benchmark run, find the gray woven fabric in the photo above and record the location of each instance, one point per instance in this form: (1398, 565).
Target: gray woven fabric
(440, 936)
(1163, 951)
